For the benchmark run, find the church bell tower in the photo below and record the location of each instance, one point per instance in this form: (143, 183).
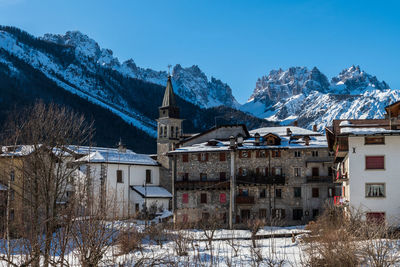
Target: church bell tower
(169, 126)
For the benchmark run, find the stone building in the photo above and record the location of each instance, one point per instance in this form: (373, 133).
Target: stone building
(280, 174)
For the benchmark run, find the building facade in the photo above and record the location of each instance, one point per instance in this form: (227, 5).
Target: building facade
(282, 175)
(366, 163)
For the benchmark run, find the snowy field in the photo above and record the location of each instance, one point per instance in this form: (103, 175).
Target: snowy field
(229, 248)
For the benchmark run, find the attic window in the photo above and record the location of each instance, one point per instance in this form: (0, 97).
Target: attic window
(376, 140)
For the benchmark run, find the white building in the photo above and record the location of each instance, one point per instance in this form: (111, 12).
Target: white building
(122, 178)
(367, 156)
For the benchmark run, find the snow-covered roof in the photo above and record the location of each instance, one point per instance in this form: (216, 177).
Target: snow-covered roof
(151, 191)
(3, 187)
(367, 131)
(286, 143)
(116, 156)
(281, 130)
(16, 151)
(345, 123)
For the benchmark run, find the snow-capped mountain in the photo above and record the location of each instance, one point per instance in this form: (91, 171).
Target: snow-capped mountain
(122, 99)
(190, 83)
(306, 96)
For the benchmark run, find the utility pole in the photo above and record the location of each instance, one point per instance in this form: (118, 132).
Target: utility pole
(232, 182)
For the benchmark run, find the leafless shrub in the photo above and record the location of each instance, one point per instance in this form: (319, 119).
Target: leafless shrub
(181, 240)
(129, 241)
(255, 226)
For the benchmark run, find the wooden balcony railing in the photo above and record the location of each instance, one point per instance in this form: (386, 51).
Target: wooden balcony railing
(260, 179)
(244, 200)
(319, 179)
(193, 185)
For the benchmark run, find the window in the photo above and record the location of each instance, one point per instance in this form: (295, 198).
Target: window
(148, 176)
(244, 154)
(12, 215)
(261, 154)
(12, 175)
(244, 192)
(315, 171)
(245, 215)
(330, 192)
(297, 191)
(297, 154)
(375, 217)
(315, 213)
(315, 153)
(185, 157)
(265, 171)
(278, 193)
(203, 177)
(12, 194)
(185, 218)
(177, 132)
(222, 176)
(205, 216)
(203, 157)
(185, 198)
(137, 207)
(315, 192)
(376, 140)
(165, 131)
(277, 171)
(262, 193)
(244, 172)
(276, 153)
(222, 198)
(278, 213)
(262, 213)
(374, 190)
(297, 214)
(119, 176)
(203, 198)
(185, 176)
(172, 131)
(297, 172)
(375, 162)
(330, 171)
(223, 217)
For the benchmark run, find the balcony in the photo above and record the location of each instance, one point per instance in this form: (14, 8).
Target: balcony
(244, 200)
(339, 200)
(319, 179)
(194, 185)
(341, 177)
(322, 160)
(260, 179)
(341, 150)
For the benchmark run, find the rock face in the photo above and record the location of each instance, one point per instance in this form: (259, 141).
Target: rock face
(307, 96)
(190, 83)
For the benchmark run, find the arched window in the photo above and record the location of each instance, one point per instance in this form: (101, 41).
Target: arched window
(172, 131)
(165, 131)
(177, 132)
(160, 131)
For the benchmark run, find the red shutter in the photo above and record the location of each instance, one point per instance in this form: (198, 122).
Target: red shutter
(185, 198)
(273, 171)
(240, 154)
(206, 156)
(222, 156)
(222, 198)
(199, 157)
(249, 154)
(266, 171)
(257, 154)
(185, 157)
(375, 162)
(240, 171)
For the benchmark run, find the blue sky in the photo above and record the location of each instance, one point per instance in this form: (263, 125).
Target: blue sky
(235, 41)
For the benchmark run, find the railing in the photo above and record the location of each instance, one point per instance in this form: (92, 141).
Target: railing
(319, 179)
(192, 185)
(259, 179)
(341, 177)
(338, 200)
(244, 200)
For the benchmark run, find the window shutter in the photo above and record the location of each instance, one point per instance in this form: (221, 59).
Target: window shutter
(222, 156)
(257, 154)
(266, 171)
(185, 198)
(222, 198)
(273, 171)
(240, 171)
(240, 154)
(257, 171)
(375, 162)
(249, 154)
(185, 157)
(199, 157)
(206, 156)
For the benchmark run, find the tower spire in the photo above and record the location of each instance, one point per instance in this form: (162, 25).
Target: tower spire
(169, 96)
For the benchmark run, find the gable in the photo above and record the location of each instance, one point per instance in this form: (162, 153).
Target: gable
(272, 139)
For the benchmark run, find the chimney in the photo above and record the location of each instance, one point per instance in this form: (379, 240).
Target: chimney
(307, 140)
(231, 142)
(240, 140)
(314, 128)
(288, 132)
(121, 147)
(257, 139)
(295, 123)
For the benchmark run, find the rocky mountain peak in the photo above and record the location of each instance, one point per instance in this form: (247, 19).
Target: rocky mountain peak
(353, 80)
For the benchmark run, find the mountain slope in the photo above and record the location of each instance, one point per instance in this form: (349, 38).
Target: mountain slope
(307, 96)
(83, 72)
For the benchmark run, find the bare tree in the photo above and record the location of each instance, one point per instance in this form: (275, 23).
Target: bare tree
(40, 134)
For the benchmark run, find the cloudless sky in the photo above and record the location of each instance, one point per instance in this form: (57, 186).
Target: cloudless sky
(235, 41)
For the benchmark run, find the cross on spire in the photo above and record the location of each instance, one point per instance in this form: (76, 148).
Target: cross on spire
(169, 69)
